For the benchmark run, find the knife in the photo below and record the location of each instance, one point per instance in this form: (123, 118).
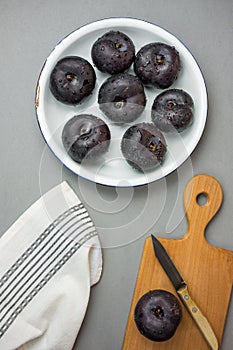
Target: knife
(182, 290)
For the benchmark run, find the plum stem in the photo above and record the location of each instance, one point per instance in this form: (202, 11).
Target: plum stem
(158, 312)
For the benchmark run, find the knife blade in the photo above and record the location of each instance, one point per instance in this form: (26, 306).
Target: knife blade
(182, 290)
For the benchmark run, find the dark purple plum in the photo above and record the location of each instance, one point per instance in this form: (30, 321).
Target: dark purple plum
(72, 79)
(85, 136)
(157, 315)
(113, 52)
(143, 146)
(172, 110)
(122, 98)
(157, 64)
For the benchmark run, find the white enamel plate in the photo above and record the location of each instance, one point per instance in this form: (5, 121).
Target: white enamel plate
(111, 169)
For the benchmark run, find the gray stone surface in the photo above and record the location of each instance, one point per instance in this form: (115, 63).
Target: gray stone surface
(28, 32)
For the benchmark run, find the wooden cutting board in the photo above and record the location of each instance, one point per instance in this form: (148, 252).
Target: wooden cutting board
(207, 270)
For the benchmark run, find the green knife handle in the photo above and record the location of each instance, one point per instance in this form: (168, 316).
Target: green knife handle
(198, 317)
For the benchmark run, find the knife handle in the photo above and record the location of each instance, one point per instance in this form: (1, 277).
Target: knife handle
(198, 317)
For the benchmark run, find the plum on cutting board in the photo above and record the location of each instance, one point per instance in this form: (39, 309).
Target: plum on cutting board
(157, 315)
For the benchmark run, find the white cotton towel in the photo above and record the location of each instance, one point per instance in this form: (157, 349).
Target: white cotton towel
(49, 259)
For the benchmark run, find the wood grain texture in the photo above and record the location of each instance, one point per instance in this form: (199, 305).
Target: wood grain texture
(207, 270)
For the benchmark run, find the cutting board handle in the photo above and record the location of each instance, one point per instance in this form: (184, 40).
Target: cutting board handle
(198, 213)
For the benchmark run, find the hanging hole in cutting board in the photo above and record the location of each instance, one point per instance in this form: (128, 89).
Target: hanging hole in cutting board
(202, 199)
